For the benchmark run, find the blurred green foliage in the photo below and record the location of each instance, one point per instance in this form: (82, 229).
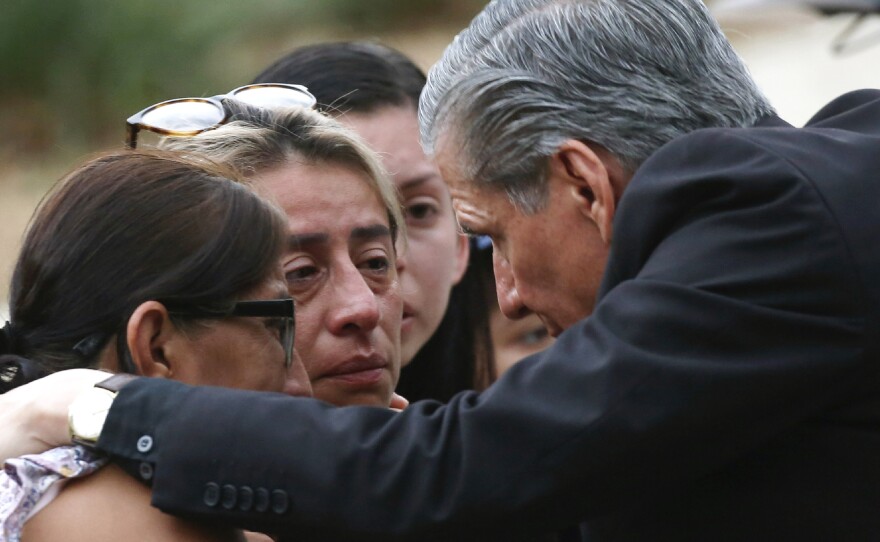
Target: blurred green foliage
(73, 70)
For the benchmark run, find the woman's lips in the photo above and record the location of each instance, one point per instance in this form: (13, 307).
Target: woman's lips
(360, 371)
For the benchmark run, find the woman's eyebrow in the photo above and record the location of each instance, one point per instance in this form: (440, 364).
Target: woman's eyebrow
(295, 241)
(370, 232)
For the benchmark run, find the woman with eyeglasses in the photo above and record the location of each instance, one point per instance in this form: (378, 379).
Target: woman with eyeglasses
(149, 264)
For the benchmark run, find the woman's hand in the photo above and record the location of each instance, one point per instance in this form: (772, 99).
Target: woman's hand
(34, 416)
(398, 402)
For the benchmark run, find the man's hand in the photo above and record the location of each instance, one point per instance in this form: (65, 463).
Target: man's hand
(33, 417)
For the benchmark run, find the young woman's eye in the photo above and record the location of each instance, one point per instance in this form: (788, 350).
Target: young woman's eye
(421, 211)
(534, 336)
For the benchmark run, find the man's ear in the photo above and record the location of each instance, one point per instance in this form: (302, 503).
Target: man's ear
(148, 334)
(589, 183)
(462, 255)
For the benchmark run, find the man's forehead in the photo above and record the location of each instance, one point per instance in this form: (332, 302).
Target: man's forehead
(475, 204)
(477, 207)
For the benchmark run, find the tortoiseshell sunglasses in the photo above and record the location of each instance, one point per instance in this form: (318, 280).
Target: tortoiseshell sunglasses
(191, 116)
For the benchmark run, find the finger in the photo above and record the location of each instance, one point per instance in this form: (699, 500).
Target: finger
(398, 402)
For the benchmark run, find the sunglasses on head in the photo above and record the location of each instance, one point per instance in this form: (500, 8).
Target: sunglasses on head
(191, 116)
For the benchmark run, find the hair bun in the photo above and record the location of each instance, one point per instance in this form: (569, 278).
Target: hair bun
(8, 342)
(16, 371)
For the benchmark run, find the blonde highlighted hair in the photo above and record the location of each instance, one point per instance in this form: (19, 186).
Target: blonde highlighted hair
(256, 140)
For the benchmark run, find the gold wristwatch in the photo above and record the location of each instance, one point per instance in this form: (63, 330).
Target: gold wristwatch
(87, 413)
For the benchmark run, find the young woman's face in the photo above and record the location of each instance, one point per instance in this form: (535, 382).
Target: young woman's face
(512, 340)
(244, 352)
(340, 268)
(436, 255)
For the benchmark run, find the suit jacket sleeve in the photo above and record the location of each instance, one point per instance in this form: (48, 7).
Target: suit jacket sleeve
(730, 313)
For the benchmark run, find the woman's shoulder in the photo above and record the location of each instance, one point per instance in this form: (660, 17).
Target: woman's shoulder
(110, 505)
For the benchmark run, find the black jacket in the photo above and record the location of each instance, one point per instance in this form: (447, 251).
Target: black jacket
(727, 386)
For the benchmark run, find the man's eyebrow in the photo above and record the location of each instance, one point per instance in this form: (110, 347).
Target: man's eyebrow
(296, 241)
(370, 232)
(465, 230)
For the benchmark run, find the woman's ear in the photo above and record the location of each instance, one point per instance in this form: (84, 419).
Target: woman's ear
(462, 255)
(148, 334)
(589, 182)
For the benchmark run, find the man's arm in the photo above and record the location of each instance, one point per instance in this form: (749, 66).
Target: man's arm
(730, 315)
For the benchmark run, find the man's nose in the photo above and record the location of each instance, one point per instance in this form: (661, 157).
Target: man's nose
(505, 288)
(355, 306)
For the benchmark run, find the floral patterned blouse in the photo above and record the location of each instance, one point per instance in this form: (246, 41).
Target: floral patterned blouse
(30, 482)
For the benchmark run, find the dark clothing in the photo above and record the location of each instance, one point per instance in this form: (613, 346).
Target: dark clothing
(727, 386)
(457, 357)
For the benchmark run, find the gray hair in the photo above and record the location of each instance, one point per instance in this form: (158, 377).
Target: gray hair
(256, 140)
(629, 75)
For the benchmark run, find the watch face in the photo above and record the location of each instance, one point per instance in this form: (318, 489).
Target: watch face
(88, 412)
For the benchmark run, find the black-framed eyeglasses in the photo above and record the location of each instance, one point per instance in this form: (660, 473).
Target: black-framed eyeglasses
(278, 312)
(279, 315)
(192, 116)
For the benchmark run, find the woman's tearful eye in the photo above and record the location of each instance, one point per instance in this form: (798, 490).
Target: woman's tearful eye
(298, 274)
(379, 264)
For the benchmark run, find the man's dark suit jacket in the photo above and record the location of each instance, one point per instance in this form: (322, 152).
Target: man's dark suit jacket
(727, 386)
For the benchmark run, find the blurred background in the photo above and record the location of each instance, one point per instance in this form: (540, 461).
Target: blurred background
(73, 70)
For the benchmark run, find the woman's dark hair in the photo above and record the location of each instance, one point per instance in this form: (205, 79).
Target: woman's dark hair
(120, 230)
(350, 76)
(363, 77)
(459, 355)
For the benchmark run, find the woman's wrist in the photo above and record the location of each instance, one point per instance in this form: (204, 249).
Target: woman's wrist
(34, 416)
(19, 417)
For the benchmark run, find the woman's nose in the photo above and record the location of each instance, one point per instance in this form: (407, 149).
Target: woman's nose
(356, 306)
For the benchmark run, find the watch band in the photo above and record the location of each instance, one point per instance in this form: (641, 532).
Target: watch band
(88, 412)
(116, 382)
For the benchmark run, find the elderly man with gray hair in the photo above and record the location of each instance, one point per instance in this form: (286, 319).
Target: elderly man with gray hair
(707, 269)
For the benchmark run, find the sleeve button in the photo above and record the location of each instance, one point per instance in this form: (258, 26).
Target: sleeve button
(280, 502)
(212, 494)
(146, 471)
(261, 499)
(245, 498)
(145, 444)
(228, 497)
